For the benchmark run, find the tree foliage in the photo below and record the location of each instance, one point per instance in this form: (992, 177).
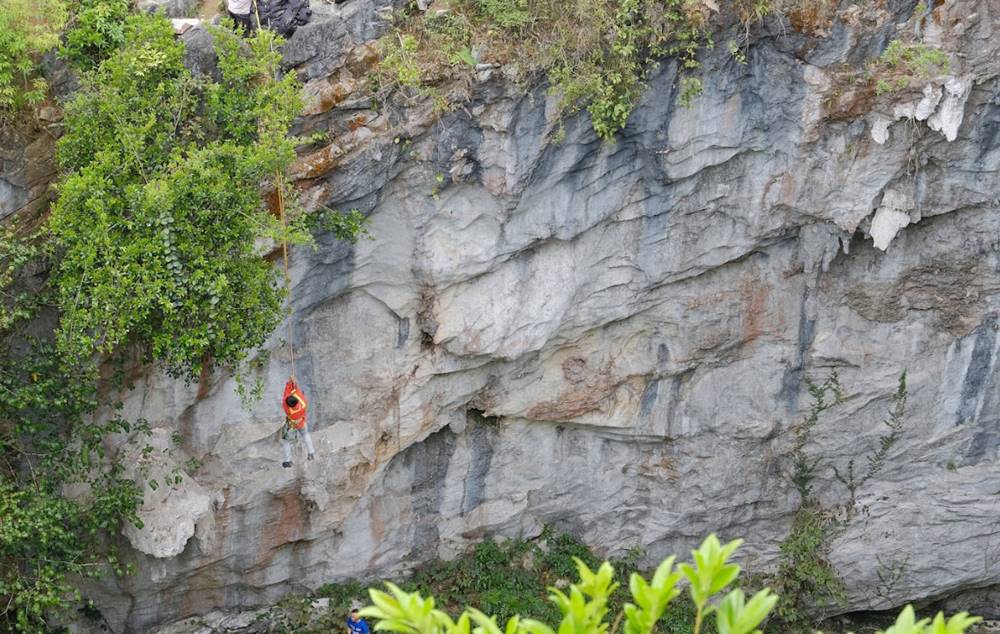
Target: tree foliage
(96, 29)
(50, 444)
(160, 211)
(28, 28)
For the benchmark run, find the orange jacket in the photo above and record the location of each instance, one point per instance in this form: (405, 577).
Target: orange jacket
(296, 415)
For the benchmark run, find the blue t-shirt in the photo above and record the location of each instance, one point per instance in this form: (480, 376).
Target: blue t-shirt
(357, 627)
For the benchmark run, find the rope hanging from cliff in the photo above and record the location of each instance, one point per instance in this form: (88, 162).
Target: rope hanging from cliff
(279, 188)
(279, 185)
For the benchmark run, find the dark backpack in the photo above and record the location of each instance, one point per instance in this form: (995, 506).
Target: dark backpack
(284, 16)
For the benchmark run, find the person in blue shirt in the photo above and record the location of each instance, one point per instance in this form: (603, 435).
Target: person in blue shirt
(356, 624)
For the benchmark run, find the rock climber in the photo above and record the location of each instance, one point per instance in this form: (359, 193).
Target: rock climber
(294, 402)
(356, 624)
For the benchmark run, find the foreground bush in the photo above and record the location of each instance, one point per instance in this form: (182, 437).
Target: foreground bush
(584, 605)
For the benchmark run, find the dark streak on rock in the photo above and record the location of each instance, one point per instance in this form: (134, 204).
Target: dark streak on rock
(977, 374)
(482, 439)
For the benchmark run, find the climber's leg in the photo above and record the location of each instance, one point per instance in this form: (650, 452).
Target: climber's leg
(286, 447)
(304, 432)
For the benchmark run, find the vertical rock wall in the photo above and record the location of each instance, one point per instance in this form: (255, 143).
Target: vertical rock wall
(612, 338)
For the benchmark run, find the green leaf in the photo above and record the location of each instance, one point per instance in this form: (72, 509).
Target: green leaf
(736, 616)
(957, 624)
(466, 56)
(711, 571)
(906, 623)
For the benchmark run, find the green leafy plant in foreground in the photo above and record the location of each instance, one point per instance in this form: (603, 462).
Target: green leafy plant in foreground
(583, 606)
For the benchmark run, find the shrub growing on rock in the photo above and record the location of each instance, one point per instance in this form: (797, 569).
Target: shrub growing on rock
(28, 28)
(160, 212)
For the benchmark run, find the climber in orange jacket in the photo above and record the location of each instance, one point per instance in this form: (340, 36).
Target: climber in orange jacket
(294, 403)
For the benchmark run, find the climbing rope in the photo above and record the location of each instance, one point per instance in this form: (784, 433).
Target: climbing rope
(279, 182)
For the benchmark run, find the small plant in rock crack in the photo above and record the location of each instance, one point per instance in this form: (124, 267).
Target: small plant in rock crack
(904, 64)
(887, 441)
(804, 576)
(805, 579)
(825, 395)
(889, 575)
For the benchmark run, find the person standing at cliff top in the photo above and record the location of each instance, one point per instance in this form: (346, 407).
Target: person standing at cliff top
(356, 624)
(239, 11)
(294, 403)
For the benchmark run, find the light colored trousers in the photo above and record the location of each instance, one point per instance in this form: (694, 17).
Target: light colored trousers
(289, 435)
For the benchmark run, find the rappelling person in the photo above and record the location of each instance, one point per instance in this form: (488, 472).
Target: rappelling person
(294, 403)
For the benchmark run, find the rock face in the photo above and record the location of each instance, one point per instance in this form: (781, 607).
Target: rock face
(170, 8)
(27, 167)
(613, 338)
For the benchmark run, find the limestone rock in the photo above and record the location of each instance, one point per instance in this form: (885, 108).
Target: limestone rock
(173, 503)
(889, 219)
(948, 117)
(172, 8)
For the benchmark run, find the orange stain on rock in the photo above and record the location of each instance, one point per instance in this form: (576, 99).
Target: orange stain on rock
(575, 402)
(285, 526)
(357, 121)
(755, 314)
(318, 163)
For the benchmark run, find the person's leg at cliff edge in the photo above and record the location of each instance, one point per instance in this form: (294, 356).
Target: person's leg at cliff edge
(239, 11)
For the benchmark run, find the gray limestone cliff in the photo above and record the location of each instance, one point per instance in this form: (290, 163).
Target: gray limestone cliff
(612, 338)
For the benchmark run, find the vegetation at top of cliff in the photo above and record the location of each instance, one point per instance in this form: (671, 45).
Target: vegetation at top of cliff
(91, 30)
(585, 607)
(28, 28)
(96, 29)
(595, 53)
(158, 215)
